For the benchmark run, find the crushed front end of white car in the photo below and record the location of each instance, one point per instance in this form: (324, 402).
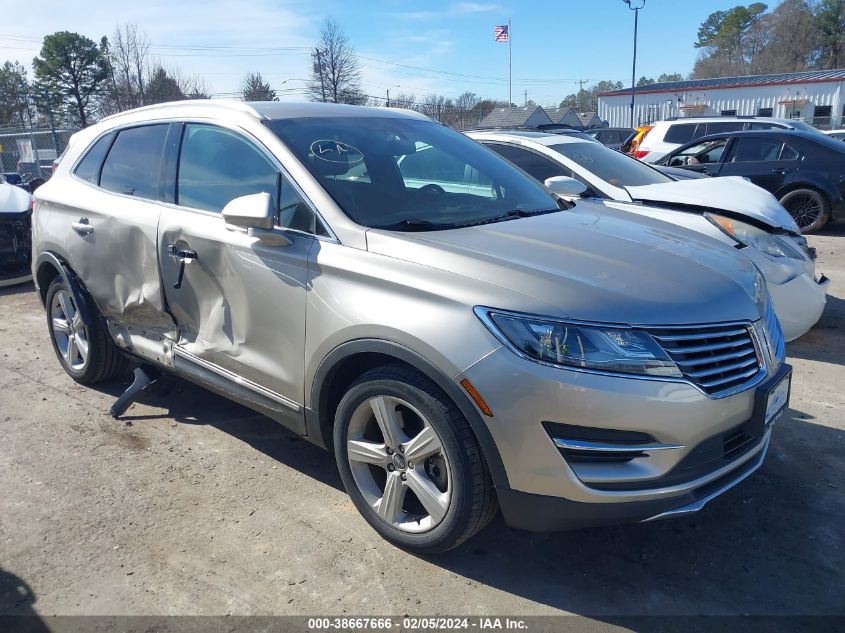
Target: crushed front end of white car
(765, 232)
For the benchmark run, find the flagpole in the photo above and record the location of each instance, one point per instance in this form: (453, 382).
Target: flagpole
(510, 84)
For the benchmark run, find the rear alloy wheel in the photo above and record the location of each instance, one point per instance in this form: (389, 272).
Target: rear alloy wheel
(410, 462)
(808, 208)
(84, 348)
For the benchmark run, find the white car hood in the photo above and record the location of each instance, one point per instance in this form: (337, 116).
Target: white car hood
(13, 199)
(731, 193)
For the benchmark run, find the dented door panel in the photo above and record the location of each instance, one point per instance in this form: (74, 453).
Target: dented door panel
(241, 303)
(116, 256)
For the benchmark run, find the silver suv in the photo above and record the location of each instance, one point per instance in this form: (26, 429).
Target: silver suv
(459, 337)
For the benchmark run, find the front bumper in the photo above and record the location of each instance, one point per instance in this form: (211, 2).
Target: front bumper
(549, 490)
(15, 248)
(799, 303)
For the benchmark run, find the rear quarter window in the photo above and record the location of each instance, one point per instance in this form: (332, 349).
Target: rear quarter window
(133, 164)
(680, 133)
(88, 168)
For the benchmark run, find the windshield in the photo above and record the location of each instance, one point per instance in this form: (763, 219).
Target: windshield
(613, 167)
(409, 174)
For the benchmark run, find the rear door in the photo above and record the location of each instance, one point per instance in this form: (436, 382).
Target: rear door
(240, 306)
(112, 224)
(767, 161)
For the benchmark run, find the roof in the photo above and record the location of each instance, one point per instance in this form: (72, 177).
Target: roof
(557, 114)
(810, 76)
(268, 109)
(511, 117)
(586, 117)
(541, 138)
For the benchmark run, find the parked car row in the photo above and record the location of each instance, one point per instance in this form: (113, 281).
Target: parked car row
(475, 340)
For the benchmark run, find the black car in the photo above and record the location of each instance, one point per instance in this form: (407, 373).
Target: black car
(612, 137)
(804, 170)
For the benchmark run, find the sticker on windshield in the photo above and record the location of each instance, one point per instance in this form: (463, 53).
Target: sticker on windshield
(336, 152)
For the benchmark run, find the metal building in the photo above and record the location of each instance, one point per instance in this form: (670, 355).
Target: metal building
(813, 96)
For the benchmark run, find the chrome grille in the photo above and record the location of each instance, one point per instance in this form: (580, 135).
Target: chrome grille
(716, 358)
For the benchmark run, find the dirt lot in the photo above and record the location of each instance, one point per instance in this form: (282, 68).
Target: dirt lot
(194, 505)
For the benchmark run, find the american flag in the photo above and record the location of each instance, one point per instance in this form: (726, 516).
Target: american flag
(501, 33)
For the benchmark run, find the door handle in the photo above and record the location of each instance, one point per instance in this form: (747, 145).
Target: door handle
(82, 227)
(184, 256)
(779, 170)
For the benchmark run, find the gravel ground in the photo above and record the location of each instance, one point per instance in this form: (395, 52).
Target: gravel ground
(194, 505)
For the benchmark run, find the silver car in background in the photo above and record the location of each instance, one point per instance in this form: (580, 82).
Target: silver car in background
(390, 289)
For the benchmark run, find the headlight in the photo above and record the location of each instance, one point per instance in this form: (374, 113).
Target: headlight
(748, 235)
(594, 347)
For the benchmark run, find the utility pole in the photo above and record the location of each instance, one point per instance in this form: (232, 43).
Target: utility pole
(581, 83)
(320, 70)
(525, 98)
(632, 5)
(387, 105)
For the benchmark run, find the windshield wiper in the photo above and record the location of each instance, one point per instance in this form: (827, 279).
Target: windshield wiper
(413, 224)
(510, 215)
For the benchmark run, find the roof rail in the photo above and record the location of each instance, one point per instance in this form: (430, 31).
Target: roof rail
(712, 116)
(227, 104)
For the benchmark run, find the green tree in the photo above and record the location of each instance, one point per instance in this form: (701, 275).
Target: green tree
(254, 88)
(73, 68)
(162, 87)
(829, 21)
(725, 35)
(645, 81)
(666, 77)
(13, 93)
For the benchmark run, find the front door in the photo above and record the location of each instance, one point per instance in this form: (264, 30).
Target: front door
(768, 162)
(240, 306)
(704, 157)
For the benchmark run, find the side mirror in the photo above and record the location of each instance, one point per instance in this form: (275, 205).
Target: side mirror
(565, 187)
(255, 213)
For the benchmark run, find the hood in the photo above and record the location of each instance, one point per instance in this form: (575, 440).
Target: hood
(599, 264)
(731, 193)
(13, 199)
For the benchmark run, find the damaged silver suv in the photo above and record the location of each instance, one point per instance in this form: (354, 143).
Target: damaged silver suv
(457, 335)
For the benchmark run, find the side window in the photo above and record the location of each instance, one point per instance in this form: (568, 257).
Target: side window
(753, 150)
(789, 152)
(700, 154)
(133, 164)
(89, 167)
(537, 166)
(680, 133)
(721, 128)
(762, 125)
(216, 166)
(294, 212)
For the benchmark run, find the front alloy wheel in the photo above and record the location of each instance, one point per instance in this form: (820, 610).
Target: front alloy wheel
(398, 463)
(410, 461)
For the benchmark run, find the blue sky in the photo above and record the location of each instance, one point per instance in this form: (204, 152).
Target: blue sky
(442, 46)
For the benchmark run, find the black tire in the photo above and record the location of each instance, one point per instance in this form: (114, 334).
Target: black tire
(104, 360)
(473, 502)
(808, 207)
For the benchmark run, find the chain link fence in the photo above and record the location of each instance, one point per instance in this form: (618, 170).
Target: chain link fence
(31, 152)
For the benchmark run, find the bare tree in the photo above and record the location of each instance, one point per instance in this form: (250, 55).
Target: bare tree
(336, 74)
(404, 101)
(254, 88)
(130, 67)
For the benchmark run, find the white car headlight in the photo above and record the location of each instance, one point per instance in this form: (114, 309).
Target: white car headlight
(748, 235)
(594, 347)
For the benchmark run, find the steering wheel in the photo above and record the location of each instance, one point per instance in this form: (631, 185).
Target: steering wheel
(432, 188)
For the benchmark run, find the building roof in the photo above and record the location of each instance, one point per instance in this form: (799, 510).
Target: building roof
(586, 117)
(511, 117)
(810, 76)
(557, 114)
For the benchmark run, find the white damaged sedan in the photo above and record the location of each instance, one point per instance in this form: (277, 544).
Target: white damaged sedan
(731, 209)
